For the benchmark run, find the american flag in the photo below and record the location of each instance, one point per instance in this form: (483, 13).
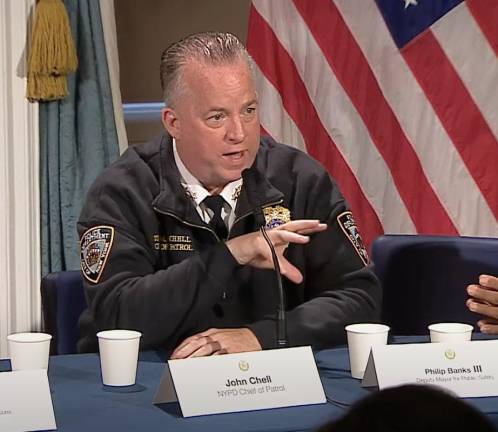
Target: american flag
(398, 99)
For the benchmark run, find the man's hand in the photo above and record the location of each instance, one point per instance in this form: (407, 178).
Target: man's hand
(484, 301)
(217, 341)
(252, 249)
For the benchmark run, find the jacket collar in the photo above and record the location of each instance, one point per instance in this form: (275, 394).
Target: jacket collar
(257, 192)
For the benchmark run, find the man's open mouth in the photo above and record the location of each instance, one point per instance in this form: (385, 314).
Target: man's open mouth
(234, 155)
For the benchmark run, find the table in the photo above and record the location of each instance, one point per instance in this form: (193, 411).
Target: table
(81, 402)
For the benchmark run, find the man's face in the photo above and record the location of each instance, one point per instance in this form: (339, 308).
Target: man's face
(215, 122)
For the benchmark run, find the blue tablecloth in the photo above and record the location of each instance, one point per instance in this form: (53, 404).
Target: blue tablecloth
(82, 403)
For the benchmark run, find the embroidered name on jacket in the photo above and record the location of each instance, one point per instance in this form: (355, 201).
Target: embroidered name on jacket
(173, 243)
(276, 216)
(95, 245)
(348, 225)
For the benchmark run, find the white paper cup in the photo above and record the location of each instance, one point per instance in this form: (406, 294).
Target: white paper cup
(361, 338)
(119, 356)
(29, 350)
(450, 332)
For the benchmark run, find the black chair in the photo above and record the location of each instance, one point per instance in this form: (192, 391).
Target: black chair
(424, 278)
(63, 300)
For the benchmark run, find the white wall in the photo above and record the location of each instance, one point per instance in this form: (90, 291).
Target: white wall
(20, 305)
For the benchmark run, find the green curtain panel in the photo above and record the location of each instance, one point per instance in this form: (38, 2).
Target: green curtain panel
(78, 140)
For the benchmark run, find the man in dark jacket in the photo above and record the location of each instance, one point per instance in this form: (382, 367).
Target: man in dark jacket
(170, 240)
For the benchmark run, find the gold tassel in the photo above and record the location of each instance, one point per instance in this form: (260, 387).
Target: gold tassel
(47, 87)
(52, 54)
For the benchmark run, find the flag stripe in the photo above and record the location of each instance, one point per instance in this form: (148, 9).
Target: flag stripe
(274, 119)
(344, 56)
(340, 119)
(457, 111)
(464, 53)
(444, 168)
(280, 70)
(486, 15)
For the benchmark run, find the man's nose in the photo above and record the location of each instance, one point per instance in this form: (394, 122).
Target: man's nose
(236, 131)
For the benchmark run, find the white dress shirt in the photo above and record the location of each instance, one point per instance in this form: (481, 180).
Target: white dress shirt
(198, 192)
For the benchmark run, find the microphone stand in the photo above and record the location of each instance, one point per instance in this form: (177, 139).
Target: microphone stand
(282, 341)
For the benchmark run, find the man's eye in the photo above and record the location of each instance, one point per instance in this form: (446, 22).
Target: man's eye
(250, 110)
(216, 117)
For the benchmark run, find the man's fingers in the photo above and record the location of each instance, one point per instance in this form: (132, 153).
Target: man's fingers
(483, 309)
(308, 231)
(209, 332)
(308, 225)
(280, 237)
(210, 348)
(185, 343)
(185, 349)
(196, 346)
(489, 326)
(486, 295)
(220, 352)
(299, 224)
(219, 341)
(486, 321)
(490, 282)
(188, 340)
(251, 249)
(489, 329)
(289, 271)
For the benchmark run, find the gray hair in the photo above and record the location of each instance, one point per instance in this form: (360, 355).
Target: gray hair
(210, 48)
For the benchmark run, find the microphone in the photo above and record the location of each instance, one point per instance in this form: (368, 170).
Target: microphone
(250, 180)
(282, 341)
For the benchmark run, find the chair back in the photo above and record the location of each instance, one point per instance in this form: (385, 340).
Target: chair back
(63, 301)
(424, 278)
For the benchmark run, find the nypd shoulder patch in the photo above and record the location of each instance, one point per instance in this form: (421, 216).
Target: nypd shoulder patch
(276, 216)
(348, 225)
(95, 245)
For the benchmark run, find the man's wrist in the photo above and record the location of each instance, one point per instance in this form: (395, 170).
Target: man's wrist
(235, 246)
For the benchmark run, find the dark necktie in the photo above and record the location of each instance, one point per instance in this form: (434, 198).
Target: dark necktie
(215, 203)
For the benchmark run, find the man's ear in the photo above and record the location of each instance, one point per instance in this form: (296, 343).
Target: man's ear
(170, 121)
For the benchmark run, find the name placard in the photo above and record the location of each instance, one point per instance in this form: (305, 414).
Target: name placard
(25, 401)
(469, 369)
(242, 382)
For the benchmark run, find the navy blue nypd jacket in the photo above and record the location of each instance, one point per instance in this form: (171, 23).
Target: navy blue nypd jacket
(151, 264)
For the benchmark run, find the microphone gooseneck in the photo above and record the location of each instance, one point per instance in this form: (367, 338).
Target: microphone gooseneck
(282, 341)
